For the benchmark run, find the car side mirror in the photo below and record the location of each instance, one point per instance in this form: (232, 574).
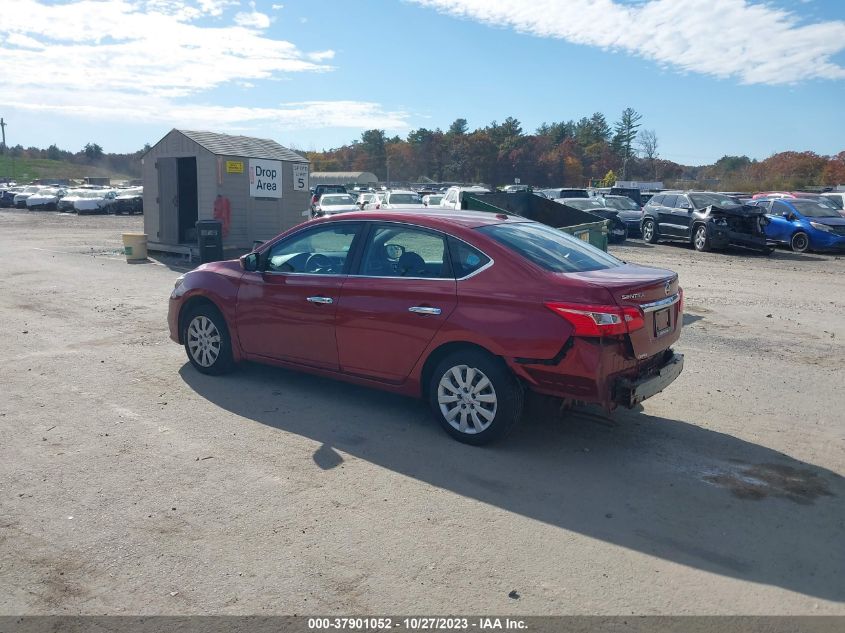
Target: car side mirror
(249, 262)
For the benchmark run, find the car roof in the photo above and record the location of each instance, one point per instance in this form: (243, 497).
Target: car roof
(432, 218)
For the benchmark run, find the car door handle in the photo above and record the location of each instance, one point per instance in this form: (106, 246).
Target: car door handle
(424, 310)
(320, 300)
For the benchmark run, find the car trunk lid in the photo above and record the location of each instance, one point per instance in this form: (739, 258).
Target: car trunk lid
(655, 292)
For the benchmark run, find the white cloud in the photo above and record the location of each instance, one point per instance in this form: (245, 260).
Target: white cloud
(254, 19)
(155, 61)
(752, 42)
(299, 115)
(321, 56)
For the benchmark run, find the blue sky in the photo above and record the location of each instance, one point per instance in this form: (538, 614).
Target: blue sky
(711, 77)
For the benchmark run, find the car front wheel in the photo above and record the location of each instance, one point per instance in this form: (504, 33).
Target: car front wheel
(700, 239)
(800, 243)
(207, 341)
(475, 397)
(649, 231)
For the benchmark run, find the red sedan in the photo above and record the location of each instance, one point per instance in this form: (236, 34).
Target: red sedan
(465, 309)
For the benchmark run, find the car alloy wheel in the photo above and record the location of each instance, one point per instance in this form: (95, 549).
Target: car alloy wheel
(700, 240)
(203, 341)
(649, 232)
(800, 242)
(467, 399)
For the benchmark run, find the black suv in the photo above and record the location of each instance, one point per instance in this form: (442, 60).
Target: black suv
(705, 219)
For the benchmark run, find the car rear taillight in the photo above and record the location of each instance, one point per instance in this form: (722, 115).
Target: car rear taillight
(314, 199)
(597, 320)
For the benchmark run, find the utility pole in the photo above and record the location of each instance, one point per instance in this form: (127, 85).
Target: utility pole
(3, 143)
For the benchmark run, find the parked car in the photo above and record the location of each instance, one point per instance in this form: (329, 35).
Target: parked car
(128, 201)
(396, 198)
(364, 199)
(432, 199)
(629, 211)
(65, 205)
(46, 198)
(7, 197)
(319, 190)
(617, 230)
(86, 201)
(331, 203)
(19, 200)
(555, 193)
(515, 188)
(455, 195)
(539, 192)
(705, 219)
(837, 198)
(804, 224)
(465, 310)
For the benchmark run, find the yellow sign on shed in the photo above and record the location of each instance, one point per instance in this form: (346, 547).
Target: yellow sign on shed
(234, 167)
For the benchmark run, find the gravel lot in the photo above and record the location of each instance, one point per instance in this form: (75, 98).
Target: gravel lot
(130, 483)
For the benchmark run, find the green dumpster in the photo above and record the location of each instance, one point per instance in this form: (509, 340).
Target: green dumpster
(581, 224)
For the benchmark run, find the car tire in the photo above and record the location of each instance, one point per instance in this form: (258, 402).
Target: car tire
(700, 238)
(618, 239)
(800, 242)
(207, 341)
(474, 396)
(649, 231)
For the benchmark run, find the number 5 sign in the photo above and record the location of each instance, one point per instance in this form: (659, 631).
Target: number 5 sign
(300, 176)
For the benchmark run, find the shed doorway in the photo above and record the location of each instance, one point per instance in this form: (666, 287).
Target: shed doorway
(188, 206)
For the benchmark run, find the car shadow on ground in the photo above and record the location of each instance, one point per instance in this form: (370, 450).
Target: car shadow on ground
(660, 486)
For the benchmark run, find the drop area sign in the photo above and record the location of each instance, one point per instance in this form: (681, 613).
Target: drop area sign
(265, 178)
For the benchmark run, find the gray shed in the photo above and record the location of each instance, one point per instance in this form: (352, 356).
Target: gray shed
(190, 176)
(343, 178)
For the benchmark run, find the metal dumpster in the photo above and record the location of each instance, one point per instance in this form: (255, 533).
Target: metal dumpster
(581, 224)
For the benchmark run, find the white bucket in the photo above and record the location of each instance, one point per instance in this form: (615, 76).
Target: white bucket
(135, 246)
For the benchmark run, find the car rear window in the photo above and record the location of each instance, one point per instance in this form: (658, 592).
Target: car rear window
(550, 248)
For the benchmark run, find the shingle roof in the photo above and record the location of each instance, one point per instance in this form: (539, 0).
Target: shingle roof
(246, 146)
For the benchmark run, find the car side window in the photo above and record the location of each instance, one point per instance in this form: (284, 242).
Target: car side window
(322, 250)
(682, 202)
(451, 196)
(669, 201)
(779, 208)
(395, 250)
(656, 201)
(465, 259)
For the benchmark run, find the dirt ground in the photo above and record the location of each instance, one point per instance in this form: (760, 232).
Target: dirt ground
(131, 484)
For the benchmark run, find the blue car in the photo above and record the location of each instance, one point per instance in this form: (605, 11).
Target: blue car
(804, 224)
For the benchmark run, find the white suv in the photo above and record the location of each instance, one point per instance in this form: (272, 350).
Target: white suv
(454, 196)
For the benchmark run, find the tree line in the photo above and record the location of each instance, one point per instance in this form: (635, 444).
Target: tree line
(570, 153)
(589, 151)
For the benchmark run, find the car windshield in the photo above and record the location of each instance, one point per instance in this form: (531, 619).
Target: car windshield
(336, 200)
(835, 201)
(702, 200)
(550, 248)
(815, 209)
(404, 198)
(585, 204)
(623, 204)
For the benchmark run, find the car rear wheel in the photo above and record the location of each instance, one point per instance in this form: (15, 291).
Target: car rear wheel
(207, 341)
(649, 231)
(474, 397)
(800, 242)
(700, 239)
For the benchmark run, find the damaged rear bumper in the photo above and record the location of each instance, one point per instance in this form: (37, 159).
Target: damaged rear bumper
(629, 392)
